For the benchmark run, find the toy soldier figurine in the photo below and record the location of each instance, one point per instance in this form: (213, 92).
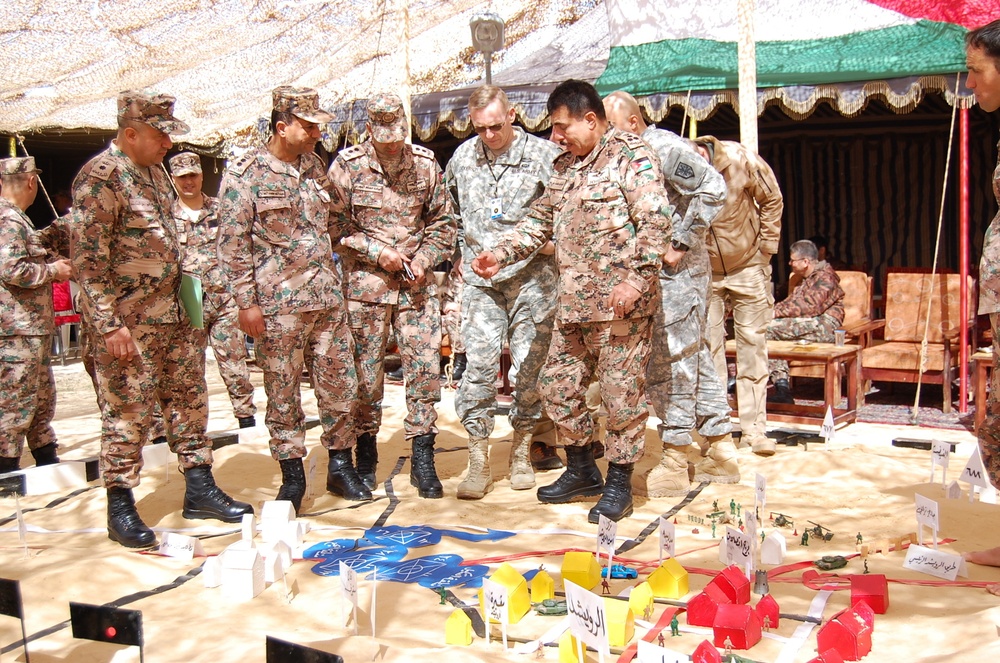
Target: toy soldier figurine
(675, 627)
(605, 587)
(805, 537)
(860, 539)
(659, 639)
(732, 507)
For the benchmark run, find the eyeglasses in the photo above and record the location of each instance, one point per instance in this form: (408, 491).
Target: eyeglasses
(795, 260)
(493, 128)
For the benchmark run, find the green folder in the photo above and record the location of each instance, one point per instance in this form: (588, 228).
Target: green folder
(191, 298)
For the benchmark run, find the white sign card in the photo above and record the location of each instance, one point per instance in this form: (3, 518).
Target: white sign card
(647, 652)
(586, 618)
(760, 490)
(349, 591)
(940, 453)
(974, 474)
(751, 527)
(935, 563)
(927, 514)
(248, 527)
(180, 546)
(738, 547)
(826, 432)
(495, 605)
(668, 539)
(607, 530)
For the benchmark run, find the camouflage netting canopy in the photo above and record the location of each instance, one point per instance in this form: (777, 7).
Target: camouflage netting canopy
(64, 61)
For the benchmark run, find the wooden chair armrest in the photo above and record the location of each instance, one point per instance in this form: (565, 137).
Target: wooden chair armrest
(864, 327)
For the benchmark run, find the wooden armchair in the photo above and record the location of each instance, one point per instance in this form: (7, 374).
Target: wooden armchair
(858, 323)
(907, 299)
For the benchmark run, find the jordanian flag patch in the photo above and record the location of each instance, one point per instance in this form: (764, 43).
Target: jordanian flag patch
(641, 164)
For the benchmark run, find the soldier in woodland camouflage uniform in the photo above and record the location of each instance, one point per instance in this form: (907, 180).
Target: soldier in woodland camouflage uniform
(608, 214)
(493, 179)
(684, 388)
(197, 221)
(982, 56)
(127, 261)
(401, 226)
(811, 312)
(27, 388)
(276, 238)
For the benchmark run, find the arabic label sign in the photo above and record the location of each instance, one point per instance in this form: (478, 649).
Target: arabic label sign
(738, 547)
(973, 472)
(586, 617)
(927, 512)
(760, 490)
(668, 538)
(935, 563)
(495, 601)
(349, 584)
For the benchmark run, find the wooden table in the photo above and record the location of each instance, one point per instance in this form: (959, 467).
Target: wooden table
(983, 362)
(833, 357)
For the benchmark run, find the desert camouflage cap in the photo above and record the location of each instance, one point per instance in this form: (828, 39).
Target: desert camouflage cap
(18, 166)
(386, 117)
(184, 163)
(302, 102)
(156, 110)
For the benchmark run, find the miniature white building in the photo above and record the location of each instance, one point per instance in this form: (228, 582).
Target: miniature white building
(953, 491)
(772, 550)
(273, 569)
(211, 572)
(279, 550)
(249, 527)
(242, 574)
(274, 516)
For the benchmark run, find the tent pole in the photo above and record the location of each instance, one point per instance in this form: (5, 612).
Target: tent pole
(963, 257)
(746, 49)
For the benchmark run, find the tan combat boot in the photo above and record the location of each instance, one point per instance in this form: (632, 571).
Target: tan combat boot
(669, 478)
(718, 463)
(479, 480)
(522, 477)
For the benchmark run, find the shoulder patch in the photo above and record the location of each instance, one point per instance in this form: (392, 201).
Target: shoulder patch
(684, 171)
(422, 151)
(240, 165)
(352, 152)
(104, 167)
(641, 164)
(631, 140)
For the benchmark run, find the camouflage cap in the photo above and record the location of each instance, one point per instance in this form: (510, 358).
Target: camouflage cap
(184, 163)
(156, 110)
(18, 166)
(387, 119)
(302, 102)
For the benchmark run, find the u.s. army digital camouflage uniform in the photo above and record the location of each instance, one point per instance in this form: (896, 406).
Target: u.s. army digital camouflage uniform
(516, 305)
(27, 388)
(413, 216)
(684, 388)
(198, 236)
(813, 311)
(127, 261)
(989, 302)
(275, 245)
(610, 218)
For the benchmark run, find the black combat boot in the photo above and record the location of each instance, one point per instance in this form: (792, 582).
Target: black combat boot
(45, 455)
(366, 459)
(458, 368)
(422, 472)
(247, 422)
(782, 393)
(124, 524)
(9, 464)
(582, 478)
(616, 502)
(544, 458)
(343, 480)
(203, 499)
(293, 482)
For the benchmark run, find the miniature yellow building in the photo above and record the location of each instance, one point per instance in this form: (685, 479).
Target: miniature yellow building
(669, 581)
(568, 652)
(542, 587)
(518, 603)
(641, 600)
(581, 568)
(620, 622)
(458, 629)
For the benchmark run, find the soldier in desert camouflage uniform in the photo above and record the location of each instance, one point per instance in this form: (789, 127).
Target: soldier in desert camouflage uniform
(27, 388)
(197, 218)
(493, 178)
(811, 312)
(276, 238)
(401, 226)
(684, 388)
(127, 261)
(608, 214)
(451, 318)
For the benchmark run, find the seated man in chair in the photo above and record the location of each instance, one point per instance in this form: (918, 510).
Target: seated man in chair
(812, 311)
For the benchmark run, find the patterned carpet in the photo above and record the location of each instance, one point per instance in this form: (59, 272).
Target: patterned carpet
(893, 404)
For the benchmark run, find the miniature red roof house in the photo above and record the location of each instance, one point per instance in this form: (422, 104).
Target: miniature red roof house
(734, 584)
(873, 589)
(829, 656)
(702, 608)
(768, 607)
(706, 653)
(737, 623)
(849, 632)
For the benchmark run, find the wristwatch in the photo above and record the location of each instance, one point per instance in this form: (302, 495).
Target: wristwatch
(677, 246)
